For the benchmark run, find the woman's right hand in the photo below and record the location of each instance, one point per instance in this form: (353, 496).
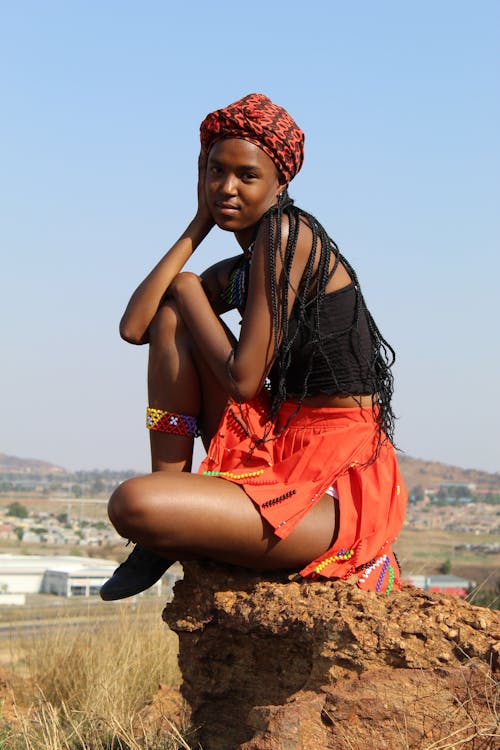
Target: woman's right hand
(146, 299)
(203, 213)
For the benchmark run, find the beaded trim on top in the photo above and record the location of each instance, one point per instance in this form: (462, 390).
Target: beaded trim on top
(235, 291)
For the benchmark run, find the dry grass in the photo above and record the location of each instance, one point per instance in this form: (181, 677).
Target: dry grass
(103, 667)
(85, 685)
(48, 728)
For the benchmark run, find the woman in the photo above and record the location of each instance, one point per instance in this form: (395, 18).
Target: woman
(296, 415)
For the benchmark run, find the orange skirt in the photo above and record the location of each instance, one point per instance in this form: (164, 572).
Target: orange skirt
(289, 472)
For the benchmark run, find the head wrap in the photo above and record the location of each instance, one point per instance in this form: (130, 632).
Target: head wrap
(256, 119)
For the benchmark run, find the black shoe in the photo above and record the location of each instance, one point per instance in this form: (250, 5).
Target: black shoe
(140, 570)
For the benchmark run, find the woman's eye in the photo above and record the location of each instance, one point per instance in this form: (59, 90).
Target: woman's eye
(249, 176)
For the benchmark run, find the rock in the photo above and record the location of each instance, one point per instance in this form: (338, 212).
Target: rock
(275, 663)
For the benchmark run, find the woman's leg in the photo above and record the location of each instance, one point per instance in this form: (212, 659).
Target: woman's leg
(186, 515)
(179, 381)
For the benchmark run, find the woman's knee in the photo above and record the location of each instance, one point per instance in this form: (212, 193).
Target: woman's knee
(127, 507)
(165, 323)
(143, 509)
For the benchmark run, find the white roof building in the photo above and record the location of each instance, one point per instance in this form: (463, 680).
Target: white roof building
(64, 575)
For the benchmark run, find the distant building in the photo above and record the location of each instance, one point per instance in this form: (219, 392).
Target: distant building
(465, 485)
(7, 532)
(442, 584)
(62, 575)
(12, 599)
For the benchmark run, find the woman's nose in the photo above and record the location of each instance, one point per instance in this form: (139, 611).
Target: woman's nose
(229, 185)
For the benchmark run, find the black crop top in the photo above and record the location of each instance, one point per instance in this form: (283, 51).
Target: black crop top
(341, 363)
(341, 358)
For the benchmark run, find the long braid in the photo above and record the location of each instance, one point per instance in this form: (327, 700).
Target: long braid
(382, 355)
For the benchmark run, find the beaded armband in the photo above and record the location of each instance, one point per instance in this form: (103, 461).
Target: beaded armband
(171, 422)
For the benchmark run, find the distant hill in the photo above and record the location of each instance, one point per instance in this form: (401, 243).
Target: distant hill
(13, 464)
(415, 471)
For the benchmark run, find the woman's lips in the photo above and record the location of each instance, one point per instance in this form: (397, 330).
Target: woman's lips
(227, 209)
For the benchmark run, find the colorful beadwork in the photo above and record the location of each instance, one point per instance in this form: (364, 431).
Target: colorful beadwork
(279, 499)
(383, 561)
(391, 580)
(382, 574)
(234, 292)
(368, 569)
(340, 556)
(171, 422)
(396, 560)
(231, 475)
(390, 570)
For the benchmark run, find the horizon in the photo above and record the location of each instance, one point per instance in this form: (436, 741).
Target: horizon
(126, 470)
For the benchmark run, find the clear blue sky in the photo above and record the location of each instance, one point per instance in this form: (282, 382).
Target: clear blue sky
(101, 104)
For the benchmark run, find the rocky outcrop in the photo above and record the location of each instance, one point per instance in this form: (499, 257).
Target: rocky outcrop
(270, 663)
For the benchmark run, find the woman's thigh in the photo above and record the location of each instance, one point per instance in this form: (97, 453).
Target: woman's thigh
(190, 515)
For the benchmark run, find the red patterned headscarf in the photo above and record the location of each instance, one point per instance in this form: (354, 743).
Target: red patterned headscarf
(256, 119)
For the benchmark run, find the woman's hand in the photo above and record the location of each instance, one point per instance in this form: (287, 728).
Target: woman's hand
(203, 214)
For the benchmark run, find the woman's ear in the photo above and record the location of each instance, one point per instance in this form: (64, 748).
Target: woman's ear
(282, 185)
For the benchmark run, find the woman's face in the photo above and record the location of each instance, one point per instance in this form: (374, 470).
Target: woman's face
(242, 182)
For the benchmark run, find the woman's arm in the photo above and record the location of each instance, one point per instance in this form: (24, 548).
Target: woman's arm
(147, 297)
(242, 370)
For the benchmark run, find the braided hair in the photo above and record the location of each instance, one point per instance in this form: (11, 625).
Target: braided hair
(381, 355)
